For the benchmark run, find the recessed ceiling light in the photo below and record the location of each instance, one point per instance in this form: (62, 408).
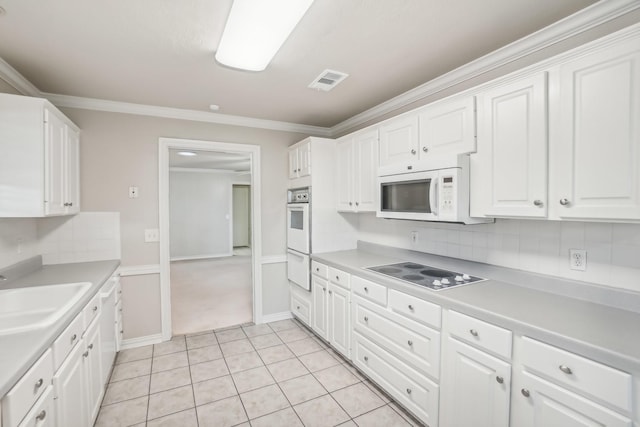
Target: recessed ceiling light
(256, 29)
(187, 153)
(214, 107)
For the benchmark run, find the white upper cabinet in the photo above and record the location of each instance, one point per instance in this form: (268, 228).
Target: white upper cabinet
(399, 140)
(357, 164)
(595, 137)
(39, 168)
(509, 171)
(300, 160)
(448, 127)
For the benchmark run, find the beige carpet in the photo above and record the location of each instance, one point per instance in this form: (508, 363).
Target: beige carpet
(210, 294)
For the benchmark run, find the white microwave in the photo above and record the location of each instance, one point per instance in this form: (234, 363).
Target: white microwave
(434, 191)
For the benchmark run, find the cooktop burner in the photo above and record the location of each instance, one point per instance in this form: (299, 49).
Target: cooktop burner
(424, 275)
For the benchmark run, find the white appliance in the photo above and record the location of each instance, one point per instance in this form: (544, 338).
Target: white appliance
(299, 236)
(436, 190)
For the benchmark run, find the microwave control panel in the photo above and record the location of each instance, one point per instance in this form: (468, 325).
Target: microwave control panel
(447, 194)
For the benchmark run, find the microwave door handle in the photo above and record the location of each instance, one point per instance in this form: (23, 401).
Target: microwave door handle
(433, 196)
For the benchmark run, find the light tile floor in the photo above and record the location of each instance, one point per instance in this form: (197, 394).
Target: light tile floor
(275, 374)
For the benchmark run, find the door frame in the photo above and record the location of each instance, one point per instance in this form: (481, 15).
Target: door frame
(240, 184)
(165, 144)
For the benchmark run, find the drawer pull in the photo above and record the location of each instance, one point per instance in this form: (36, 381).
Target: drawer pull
(39, 383)
(330, 292)
(366, 358)
(90, 346)
(42, 415)
(338, 278)
(473, 332)
(366, 289)
(564, 368)
(366, 319)
(408, 391)
(95, 308)
(318, 269)
(525, 392)
(410, 307)
(499, 379)
(85, 354)
(410, 342)
(74, 337)
(324, 289)
(298, 307)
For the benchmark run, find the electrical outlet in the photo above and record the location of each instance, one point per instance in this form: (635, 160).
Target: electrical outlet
(578, 259)
(414, 238)
(151, 235)
(133, 192)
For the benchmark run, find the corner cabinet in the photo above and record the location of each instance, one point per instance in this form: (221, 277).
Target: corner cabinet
(357, 165)
(39, 168)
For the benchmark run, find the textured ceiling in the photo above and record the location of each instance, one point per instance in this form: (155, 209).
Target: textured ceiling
(161, 52)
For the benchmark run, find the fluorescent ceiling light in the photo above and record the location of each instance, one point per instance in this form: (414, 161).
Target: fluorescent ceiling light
(256, 29)
(187, 153)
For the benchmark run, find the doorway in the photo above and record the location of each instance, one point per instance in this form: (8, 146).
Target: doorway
(209, 203)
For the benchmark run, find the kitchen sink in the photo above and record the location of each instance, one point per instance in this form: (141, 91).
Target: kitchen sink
(36, 307)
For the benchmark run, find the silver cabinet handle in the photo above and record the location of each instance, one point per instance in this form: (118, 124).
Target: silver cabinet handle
(357, 203)
(338, 278)
(350, 203)
(95, 308)
(366, 289)
(366, 319)
(330, 292)
(564, 202)
(409, 167)
(408, 391)
(499, 379)
(324, 289)
(39, 383)
(318, 269)
(70, 204)
(90, 346)
(425, 149)
(413, 151)
(564, 368)
(298, 307)
(85, 354)
(410, 343)
(73, 338)
(42, 415)
(366, 358)
(538, 203)
(410, 307)
(473, 332)
(65, 204)
(525, 392)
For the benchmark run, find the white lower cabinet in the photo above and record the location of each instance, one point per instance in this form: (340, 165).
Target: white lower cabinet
(301, 304)
(319, 297)
(69, 384)
(339, 324)
(93, 371)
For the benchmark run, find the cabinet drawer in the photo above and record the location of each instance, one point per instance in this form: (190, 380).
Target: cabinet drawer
(339, 277)
(67, 340)
(479, 333)
(24, 394)
(42, 414)
(415, 308)
(91, 310)
(585, 375)
(369, 290)
(319, 269)
(301, 308)
(415, 344)
(408, 387)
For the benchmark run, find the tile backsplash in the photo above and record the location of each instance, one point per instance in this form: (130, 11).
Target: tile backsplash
(18, 240)
(613, 250)
(87, 236)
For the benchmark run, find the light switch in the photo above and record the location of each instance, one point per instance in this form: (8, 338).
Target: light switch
(133, 192)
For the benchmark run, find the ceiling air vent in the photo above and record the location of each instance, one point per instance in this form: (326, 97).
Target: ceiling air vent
(327, 80)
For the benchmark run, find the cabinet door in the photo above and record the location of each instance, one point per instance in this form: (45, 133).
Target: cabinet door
(399, 140)
(304, 159)
(339, 324)
(538, 403)
(366, 169)
(319, 311)
(69, 383)
(72, 171)
(93, 370)
(474, 387)
(55, 135)
(345, 174)
(293, 163)
(509, 171)
(596, 158)
(448, 127)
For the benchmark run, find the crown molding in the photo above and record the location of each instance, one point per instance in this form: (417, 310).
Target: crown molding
(17, 80)
(181, 114)
(205, 170)
(579, 22)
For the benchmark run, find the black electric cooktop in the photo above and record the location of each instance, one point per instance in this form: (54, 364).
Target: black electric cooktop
(425, 275)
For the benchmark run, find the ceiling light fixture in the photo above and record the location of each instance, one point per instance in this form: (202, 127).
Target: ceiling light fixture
(187, 153)
(255, 31)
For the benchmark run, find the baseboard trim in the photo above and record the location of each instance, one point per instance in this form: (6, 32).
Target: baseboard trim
(139, 270)
(141, 341)
(268, 318)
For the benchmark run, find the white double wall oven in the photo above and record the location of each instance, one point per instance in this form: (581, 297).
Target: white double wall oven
(299, 236)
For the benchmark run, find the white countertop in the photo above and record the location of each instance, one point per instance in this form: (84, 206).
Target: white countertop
(19, 351)
(581, 323)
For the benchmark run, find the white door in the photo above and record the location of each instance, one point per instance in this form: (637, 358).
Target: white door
(345, 175)
(241, 215)
(474, 388)
(304, 159)
(399, 140)
(319, 310)
(366, 169)
(448, 127)
(539, 403)
(69, 395)
(339, 319)
(54, 164)
(596, 157)
(509, 171)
